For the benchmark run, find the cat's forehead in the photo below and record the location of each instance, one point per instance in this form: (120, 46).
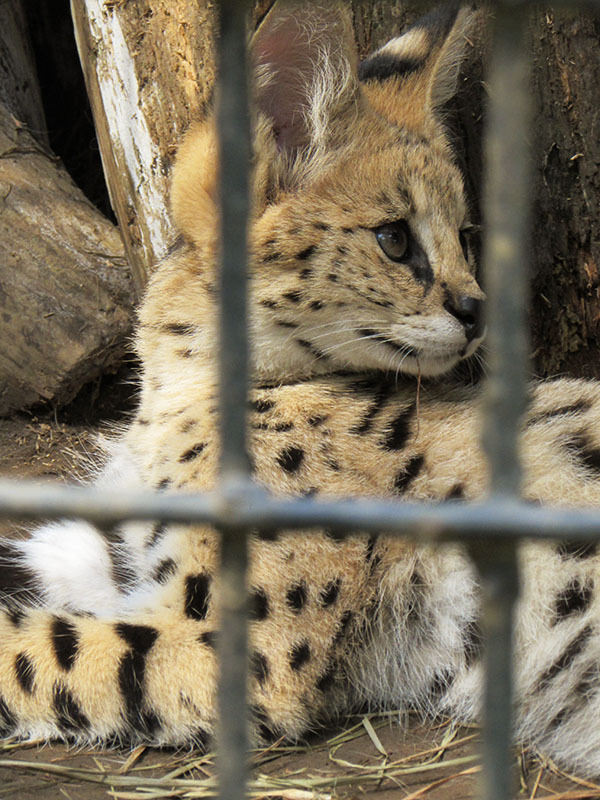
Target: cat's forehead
(406, 177)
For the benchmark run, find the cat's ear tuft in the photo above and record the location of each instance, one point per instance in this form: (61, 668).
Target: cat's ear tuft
(306, 75)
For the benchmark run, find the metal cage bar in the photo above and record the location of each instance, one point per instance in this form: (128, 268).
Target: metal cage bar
(506, 213)
(491, 529)
(234, 159)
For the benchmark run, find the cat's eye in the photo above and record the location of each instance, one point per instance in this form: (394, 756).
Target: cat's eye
(394, 239)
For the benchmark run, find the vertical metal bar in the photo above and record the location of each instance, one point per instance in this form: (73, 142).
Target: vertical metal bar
(505, 258)
(506, 212)
(234, 160)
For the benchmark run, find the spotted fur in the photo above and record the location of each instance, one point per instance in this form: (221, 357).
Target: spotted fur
(359, 280)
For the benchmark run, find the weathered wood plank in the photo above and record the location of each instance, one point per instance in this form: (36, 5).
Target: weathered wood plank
(149, 71)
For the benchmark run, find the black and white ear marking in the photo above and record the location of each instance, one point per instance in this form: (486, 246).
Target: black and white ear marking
(421, 66)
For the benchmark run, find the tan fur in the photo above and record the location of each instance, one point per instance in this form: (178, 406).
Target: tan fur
(335, 327)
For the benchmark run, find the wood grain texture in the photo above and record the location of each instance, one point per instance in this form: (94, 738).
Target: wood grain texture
(149, 71)
(65, 291)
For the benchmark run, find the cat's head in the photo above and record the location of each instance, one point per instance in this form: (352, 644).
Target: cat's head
(358, 243)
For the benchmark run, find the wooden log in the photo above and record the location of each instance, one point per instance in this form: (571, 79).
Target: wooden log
(65, 289)
(149, 71)
(19, 88)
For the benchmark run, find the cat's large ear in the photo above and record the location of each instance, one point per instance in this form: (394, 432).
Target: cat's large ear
(413, 75)
(306, 80)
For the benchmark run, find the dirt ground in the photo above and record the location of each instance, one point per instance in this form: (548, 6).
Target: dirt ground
(366, 757)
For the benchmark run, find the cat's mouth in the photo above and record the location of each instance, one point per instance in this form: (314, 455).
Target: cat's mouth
(420, 360)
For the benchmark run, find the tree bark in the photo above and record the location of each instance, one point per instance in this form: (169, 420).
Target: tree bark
(149, 71)
(566, 225)
(65, 293)
(19, 89)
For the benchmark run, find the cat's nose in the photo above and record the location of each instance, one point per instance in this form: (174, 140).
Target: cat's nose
(468, 311)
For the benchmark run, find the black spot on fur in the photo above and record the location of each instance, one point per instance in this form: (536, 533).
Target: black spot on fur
(321, 226)
(192, 453)
(314, 351)
(69, 716)
(382, 66)
(588, 455)
(293, 297)
(345, 623)
(348, 230)
(7, 718)
(132, 668)
(283, 427)
(382, 393)
(25, 672)
(372, 541)
(564, 661)
(456, 493)
(156, 534)
(327, 679)
(406, 476)
(259, 605)
(209, 638)
(578, 550)
(184, 353)
(272, 257)
(289, 325)
(575, 408)
(163, 484)
(575, 598)
(179, 329)
(269, 304)
(139, 637)
(149, 723)
(316, 420)
(305, 273)
(261, 406)
(164, 570)
(16, 580)
(329, 594)
(259, 666)
(316, 305)
(65, 641)
(299, 655)
(306, 253)
(15, 614)
(263, 722)
(473, 643)
(197, 596)
(398, 430)
(291, 459)
(331, 276)
(296, 597)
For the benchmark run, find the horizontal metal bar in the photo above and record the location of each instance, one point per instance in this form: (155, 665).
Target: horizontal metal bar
(246, 505)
